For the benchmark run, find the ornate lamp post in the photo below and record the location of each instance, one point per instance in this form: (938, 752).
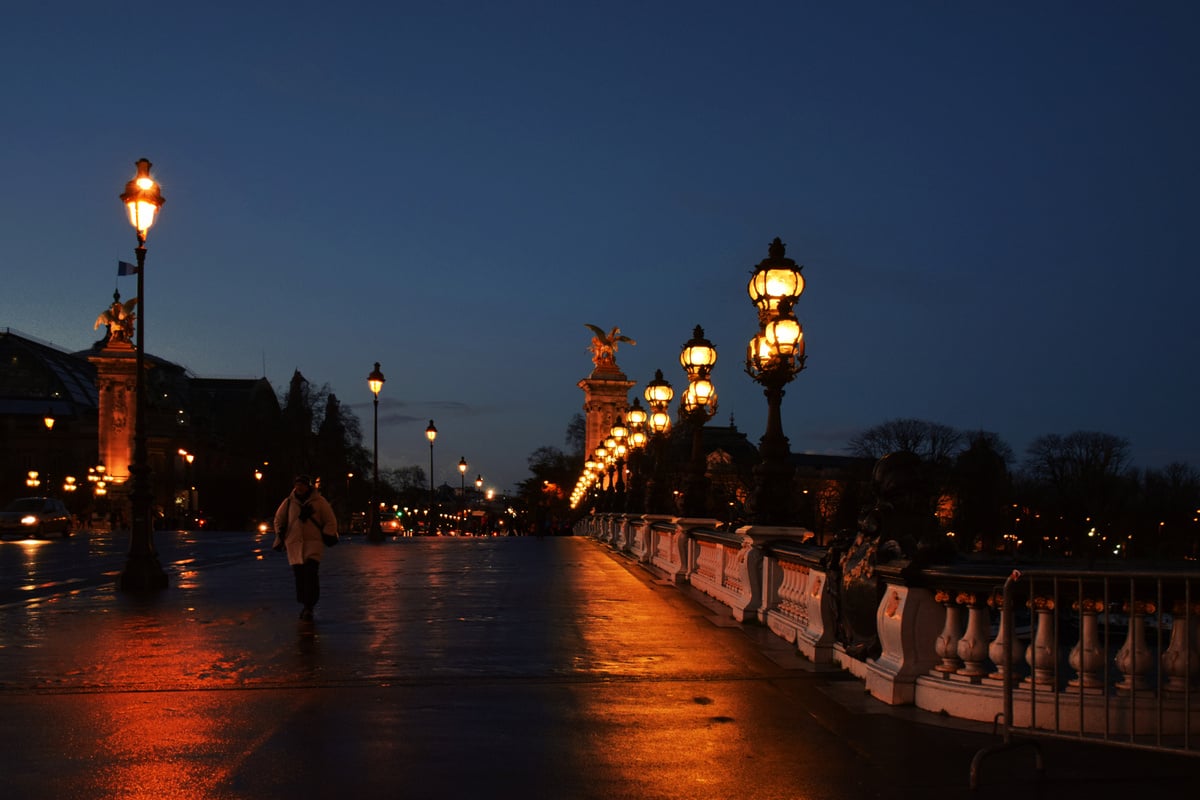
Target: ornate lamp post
(636, 417)
(431, 434)
(658, 394)
(142, 573)
(696, 407)
(773, 358)
(600, 457)
(619, 434)
(375, 383)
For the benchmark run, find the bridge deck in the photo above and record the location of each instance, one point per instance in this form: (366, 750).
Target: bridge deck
(448, 668)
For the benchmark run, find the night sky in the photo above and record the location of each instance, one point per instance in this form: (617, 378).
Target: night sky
(996, 205)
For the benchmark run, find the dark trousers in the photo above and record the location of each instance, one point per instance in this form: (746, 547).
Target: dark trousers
(308, 587)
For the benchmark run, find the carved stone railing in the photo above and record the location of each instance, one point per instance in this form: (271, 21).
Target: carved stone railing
(1109, 654)
(797, 605)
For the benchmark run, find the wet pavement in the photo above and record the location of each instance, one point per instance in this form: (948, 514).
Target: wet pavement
(447, 668)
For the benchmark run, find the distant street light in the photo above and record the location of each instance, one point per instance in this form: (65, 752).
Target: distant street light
(375, 531)
(190, 458)
(258, 495)
(143, 572)
(431, 434)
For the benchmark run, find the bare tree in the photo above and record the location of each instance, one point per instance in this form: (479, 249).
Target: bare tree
(576, 438)
(931, 441)
(1086, 480)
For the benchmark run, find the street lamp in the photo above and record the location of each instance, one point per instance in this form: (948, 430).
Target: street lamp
(658, 394)
(190, 458)
(635, 417)
(431, 434)
(142, 572)
(774, 356)
(620, 435)
(258, 496)
(375, 531)
(696, 407)
(610, 462)
(462, 477)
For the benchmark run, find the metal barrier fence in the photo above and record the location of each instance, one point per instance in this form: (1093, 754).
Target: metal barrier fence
(1112, 658)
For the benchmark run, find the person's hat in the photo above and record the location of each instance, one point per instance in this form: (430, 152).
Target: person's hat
(307, 481)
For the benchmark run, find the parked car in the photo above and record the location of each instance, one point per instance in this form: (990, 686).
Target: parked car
(36, 516)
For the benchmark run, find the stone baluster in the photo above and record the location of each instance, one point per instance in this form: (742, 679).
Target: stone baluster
(1003, 636)
(947, 643)
(1040, 654)
(1181, 660)
(1134, 659)
(972, 647)
(1087, 656)
(791, 590)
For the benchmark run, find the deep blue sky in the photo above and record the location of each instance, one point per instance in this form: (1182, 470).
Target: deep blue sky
(996, 205)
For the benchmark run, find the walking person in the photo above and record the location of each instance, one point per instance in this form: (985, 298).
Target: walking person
(305, 525)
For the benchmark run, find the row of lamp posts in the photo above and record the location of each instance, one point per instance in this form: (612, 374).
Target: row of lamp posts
(375, 383)
(775, 355)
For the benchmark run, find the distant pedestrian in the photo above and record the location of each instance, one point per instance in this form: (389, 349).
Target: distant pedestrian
(305, 526)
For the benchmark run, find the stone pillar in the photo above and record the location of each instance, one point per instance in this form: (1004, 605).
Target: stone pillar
(908, 621)
(606, 396)
(116, 381)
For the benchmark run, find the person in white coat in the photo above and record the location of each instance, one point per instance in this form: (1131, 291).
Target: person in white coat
(304, 526)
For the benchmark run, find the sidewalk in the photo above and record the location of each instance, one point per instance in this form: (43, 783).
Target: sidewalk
(454, 668)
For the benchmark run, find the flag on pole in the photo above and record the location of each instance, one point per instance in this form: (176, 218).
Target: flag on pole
(125, 268)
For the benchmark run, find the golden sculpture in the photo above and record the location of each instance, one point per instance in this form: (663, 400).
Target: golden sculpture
(604, 345)
(119, 318)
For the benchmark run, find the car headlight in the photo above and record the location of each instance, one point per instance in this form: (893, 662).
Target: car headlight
(29, 519)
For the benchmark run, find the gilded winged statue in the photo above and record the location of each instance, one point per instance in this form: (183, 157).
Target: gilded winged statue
(604, 345)
(119, 318)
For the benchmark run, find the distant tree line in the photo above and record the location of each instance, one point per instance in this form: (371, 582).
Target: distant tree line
(1073, 495)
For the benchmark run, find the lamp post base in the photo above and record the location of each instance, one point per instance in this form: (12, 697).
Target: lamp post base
(771, 501)
(142, 574)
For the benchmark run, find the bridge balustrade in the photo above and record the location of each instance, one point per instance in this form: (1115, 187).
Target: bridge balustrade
(1111, 655)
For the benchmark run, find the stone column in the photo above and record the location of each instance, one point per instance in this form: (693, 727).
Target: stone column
(116, 383)
(606, 396)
